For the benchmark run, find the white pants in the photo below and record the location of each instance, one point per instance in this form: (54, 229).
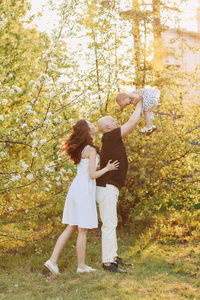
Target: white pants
(107, 199)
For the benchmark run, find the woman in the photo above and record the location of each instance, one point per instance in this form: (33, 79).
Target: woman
(80, 211)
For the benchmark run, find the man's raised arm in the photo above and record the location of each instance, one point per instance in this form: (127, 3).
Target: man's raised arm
(132, 122)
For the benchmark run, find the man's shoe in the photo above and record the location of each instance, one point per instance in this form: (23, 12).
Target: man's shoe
(119, 261)
(113, 268)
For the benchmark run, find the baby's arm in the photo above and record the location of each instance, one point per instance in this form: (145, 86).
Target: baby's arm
(135, 97)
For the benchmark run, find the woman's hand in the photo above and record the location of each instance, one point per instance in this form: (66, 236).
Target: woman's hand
(112, 166)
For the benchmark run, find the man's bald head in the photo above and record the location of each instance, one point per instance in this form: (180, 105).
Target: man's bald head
(107, 123)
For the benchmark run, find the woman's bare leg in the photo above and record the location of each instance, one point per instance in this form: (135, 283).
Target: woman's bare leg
(147, 117)
(81, 246)
(61, 241)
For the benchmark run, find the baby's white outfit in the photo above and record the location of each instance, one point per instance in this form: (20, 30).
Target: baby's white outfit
(151, 97)
(150, 101)
(80, 205)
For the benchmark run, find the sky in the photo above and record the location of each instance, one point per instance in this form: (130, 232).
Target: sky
(189, 15)
(46, 22)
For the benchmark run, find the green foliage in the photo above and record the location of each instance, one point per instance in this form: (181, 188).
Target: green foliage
(49, 81)
(35, 109)
(163, 176)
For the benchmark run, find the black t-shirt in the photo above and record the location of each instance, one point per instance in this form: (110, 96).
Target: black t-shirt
(113, 148)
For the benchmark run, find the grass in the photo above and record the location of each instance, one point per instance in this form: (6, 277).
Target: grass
(162, 271)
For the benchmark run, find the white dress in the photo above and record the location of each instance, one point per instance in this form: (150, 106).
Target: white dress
(150, 98)
(80, 204)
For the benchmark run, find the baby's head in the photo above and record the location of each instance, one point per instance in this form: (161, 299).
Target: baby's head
(123, 99)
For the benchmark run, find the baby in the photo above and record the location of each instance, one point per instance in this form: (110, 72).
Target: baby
(150, 98)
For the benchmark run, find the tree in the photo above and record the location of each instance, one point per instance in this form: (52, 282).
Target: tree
(47, 84)
(37, 110)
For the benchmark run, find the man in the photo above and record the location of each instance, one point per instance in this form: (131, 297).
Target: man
(109, 184)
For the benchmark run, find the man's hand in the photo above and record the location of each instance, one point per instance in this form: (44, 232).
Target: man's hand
(135, 98)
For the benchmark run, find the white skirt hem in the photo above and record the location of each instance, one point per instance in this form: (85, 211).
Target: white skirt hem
(81, 226)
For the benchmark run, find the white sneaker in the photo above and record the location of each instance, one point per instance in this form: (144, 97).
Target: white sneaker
(90, 269)
(154, 127)
(86, 269)
(148, 131)
(52, 268)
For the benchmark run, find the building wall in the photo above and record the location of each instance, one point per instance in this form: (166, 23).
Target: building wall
(182, 49)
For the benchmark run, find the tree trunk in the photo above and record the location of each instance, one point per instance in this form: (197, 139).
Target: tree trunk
(158, 46)
(137, 44)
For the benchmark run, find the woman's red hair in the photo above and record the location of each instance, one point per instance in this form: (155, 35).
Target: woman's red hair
(79, 138)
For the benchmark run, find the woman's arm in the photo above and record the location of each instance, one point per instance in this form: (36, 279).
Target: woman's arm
(92, 165)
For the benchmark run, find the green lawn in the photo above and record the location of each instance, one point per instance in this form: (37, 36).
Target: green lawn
(162, 271)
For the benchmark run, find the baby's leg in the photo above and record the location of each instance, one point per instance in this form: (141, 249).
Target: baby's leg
(148, 119)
